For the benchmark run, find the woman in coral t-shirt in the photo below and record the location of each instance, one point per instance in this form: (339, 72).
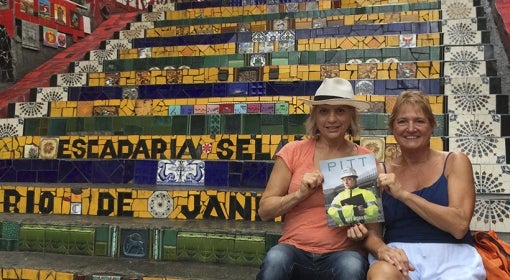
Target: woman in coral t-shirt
(309, 248)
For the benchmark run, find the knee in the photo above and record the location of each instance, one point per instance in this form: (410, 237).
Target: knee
(382, 270)
(277, 255)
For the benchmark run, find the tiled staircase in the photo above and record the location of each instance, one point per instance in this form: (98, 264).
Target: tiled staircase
(166, 129)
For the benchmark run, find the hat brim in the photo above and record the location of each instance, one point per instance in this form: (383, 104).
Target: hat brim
(358, 104)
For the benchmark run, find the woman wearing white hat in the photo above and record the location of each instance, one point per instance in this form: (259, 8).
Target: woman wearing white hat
(309, 248)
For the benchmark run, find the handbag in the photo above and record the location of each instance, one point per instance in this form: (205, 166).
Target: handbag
(495, 254)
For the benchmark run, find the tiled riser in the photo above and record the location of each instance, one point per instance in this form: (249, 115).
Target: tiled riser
(205, 147)
(373, 124)
(280, 24)
(136, 202)
(276, 58)
(363, 71)
(152, 244)
(182, 205)
(236, 89)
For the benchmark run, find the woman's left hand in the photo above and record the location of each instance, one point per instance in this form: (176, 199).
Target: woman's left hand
(357, 232)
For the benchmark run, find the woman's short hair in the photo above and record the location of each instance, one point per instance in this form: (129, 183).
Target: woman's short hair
(416, 98)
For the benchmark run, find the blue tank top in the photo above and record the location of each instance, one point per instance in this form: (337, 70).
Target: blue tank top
(403, 225)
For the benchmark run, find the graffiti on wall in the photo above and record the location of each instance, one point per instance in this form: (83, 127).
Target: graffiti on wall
(6, 69)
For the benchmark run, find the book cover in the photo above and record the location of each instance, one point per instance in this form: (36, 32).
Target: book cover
(351, 194)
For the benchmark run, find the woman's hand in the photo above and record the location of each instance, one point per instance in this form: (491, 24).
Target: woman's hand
(391, 185)
(396, 257)
(357, 232)
(309, 184)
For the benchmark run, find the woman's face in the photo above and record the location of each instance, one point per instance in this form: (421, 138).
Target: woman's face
(411, 128)
(333, 121)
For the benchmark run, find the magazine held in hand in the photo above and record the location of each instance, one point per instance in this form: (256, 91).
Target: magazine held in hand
(351, 194)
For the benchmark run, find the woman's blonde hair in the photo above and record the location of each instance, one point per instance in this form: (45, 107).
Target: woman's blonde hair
(415, 98)
(312, 131)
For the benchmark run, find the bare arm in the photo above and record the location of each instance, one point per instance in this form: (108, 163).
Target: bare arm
(276, 200)
(454, 218)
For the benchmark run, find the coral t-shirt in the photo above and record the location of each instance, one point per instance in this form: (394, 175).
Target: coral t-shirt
(305, 226)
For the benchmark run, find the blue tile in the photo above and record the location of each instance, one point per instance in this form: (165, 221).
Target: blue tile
(216, 173)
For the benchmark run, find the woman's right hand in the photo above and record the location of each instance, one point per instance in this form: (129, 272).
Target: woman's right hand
(396, 257)
(310, 183)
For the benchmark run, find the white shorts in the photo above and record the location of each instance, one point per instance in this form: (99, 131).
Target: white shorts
(441, 261)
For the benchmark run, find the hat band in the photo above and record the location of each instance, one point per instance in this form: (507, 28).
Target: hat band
(326, 97)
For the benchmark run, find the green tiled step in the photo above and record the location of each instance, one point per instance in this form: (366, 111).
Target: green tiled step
(277, 58)
(241, 243)
(372, 123)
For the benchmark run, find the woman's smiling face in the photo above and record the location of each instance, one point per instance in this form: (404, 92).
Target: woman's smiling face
(412, 129)
(333, 121)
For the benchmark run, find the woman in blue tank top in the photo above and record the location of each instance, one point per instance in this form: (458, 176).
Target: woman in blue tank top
(428, 202)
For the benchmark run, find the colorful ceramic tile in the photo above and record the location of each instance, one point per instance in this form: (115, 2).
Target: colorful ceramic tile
(130, 93)
(267, 108)
(227, 108)
(87, 66)
(187, 109)
(367, 71)
(280, 24)
(240, 108)
(253, 108)
(49, 148)
(105, 111)
(458, 10)
(319, 22)
(180, 172)
(160, 204)
(134, 243)
(200, 109)
(174, 110)
(213, 108)
(112, 79)
(281, 108)
(31, 151)
(376, 144)
(461, 32)
(408, 40)
(245, 47)
(364, 87)
(258, 59)
(406, 70)
(286, 46)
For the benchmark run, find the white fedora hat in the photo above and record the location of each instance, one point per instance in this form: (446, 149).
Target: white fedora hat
(336, 91)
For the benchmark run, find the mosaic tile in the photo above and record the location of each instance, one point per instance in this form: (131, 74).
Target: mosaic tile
(456, 9)
(160, 204)
(87, 66)
(461, 32)
(481, 150)
(490, 214)
(31, 109)
(134, 243)
(468, 68)
(70, 79)
(465, 53)
(479, 125)
(131, 34)
(179, 172)
(48, 94)
(103, 54)
(11, 127)
(153, 16)
(116, 44)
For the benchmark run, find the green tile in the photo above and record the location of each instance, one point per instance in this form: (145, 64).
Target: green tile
(81, 241)
(10, 230)
(179, 125)
(31, 238)
(231, 124)
(56, 239)
(214, 124)
(57, 127)
(169, 237)
(281, 108)
(198, 125)
(103, 124)
(251, 124)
